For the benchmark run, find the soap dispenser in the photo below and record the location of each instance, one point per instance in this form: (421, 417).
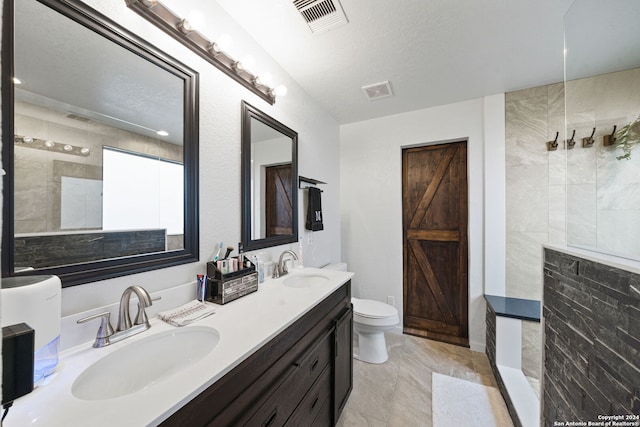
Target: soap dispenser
(36, 301)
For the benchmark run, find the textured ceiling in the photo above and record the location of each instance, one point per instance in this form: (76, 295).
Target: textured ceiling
(434, 52)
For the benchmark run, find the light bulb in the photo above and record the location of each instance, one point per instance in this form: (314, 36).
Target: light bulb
(67, 147)
(27, 139)
(17, 81)
(280, 90)
(49, 144)
(162, 133)
(222, 44)
(196, 19)
(149, 3)
(248, 62)
(85, 150)
(266, 79)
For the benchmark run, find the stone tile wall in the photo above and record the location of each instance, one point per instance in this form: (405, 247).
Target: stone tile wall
(592, 346)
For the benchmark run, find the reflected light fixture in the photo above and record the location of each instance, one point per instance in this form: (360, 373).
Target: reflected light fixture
(162, 133)
(185, 31)
(49, 145)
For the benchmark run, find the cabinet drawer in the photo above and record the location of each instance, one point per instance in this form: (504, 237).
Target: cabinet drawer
(279, 406)
(314, 402)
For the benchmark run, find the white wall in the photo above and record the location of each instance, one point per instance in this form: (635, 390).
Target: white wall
(220, 131)
(371, 199)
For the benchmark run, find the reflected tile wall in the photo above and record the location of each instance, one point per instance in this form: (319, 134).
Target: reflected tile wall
(37, 172)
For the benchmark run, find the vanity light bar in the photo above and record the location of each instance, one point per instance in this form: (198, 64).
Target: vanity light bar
(180, 29)
(47, 144)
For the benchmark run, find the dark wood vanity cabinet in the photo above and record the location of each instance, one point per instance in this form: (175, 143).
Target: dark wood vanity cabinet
(302, 377)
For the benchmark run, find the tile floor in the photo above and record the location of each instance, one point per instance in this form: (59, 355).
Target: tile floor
(398, 393)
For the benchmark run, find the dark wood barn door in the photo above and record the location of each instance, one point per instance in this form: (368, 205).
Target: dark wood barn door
(434, 194)
(279, 211)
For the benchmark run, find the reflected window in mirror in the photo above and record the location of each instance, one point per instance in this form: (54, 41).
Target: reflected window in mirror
(269, 177)
(102, 130)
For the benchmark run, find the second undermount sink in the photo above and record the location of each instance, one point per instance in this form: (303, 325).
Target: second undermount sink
(145, 362)
(305, 280)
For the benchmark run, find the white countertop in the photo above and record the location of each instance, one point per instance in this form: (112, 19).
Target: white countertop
(244, 326)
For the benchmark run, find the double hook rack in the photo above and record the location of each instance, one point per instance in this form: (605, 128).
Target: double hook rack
(587, 142)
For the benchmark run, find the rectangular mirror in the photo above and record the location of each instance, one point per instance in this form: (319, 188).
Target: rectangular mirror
(102, 129)
(269, 181)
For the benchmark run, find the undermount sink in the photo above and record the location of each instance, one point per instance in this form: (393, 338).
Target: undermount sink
(305, 280)
(145, 362)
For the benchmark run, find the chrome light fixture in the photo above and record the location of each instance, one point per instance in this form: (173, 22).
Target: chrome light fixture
(213, 52)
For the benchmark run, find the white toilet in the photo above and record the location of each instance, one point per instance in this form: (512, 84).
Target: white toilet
(370, 320)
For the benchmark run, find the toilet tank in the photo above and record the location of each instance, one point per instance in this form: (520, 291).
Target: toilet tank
(339, 266)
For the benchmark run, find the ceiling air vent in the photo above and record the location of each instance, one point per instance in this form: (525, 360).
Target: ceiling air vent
(378, 90)
(77, 117)
(321, 15)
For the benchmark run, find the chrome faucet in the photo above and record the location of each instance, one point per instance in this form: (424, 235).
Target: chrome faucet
(281, 267)
(106, 335)
(144, 300)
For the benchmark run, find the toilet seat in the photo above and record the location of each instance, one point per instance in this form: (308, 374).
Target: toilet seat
(374, 313)
(373, 309)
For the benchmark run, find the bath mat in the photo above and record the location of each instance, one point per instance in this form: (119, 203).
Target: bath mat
(457, 402)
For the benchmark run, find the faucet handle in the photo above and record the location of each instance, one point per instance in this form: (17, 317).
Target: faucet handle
(285, 270)
(104, 331)
(141, 317)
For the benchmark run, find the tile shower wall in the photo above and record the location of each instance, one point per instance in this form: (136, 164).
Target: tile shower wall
(603, 192)
(39, 173)
(534, 199)
(587, 186)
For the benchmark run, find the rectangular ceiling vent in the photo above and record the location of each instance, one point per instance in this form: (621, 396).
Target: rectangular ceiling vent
(77, 117)
(321, 15)
(378, 90)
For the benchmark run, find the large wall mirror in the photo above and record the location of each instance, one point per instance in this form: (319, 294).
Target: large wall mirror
(269, 181)
(100, 147)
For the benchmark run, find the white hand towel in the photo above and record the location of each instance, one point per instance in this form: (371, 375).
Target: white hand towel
(187, 313)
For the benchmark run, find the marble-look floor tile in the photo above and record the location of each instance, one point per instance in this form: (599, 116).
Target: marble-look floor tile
(399, 392)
